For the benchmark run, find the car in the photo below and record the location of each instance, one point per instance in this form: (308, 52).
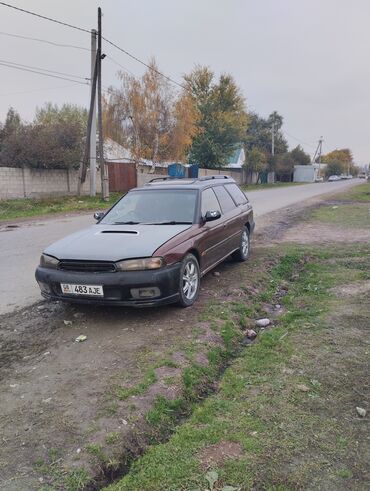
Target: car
(153, 246)
(334, 178)
(362, 175)
(346, 176)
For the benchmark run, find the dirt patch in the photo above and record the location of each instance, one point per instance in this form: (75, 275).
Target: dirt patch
(320, 233)
(216, 455)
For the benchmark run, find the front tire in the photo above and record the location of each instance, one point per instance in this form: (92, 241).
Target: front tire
(244, 250)
(189, 281)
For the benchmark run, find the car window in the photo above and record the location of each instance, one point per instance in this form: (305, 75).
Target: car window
(154, 206)
(226, 202)
(209, 201)
(237, 194)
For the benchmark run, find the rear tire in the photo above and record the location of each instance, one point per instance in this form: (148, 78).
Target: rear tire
(189, 281)
(244, 250)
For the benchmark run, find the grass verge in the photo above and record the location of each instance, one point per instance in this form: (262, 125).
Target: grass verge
(28, 208)
(281, 403)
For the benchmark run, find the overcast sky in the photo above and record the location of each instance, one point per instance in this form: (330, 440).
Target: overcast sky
(307, 59)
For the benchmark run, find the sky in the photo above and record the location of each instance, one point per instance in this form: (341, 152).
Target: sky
(307, 59)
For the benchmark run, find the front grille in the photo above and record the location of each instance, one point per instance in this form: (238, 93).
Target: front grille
(88, 266)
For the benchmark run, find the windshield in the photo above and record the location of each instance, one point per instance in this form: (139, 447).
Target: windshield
(157, 207)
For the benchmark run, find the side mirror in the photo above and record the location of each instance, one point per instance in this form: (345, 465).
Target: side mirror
(212, 215)
(98, 215)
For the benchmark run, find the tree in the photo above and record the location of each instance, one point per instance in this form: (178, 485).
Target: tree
(334, 168)
(222, 117)
(259, 135)
(339, 162)
(53, 140)
(256, 161)
(299, 156)
(146, 116)
(284, 167)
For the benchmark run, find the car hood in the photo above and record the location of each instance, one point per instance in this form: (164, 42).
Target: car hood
(114, 242)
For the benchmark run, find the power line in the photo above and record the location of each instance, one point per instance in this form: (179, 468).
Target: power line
(41, 73)
(145, 64)
(43, 41)
(119, 64)
(105, 39)
(44, 69)
(298, 140)
(44, 17)
(40, 90)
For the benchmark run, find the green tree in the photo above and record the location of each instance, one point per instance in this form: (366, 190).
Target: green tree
(284, 167)
(222, 117)
(299, 156)
(334, 168)
(259, 134)
(256, 161)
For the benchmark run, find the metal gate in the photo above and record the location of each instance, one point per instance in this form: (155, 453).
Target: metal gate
(122, 176)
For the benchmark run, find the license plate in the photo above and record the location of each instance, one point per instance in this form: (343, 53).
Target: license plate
(90, 290)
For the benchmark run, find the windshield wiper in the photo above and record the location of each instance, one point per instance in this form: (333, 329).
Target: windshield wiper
(170, 222)
(127, 223)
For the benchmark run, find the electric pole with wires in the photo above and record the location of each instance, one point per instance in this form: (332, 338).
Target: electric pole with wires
(103, 166)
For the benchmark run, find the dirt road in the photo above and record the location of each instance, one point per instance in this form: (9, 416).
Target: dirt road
(21, 246)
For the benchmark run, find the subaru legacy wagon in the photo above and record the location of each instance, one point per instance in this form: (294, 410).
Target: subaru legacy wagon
(153, 246)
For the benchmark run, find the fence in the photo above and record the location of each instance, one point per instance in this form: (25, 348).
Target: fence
(18, 182)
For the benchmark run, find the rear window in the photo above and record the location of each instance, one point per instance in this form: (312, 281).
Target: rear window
(226, 202)
(237, 194)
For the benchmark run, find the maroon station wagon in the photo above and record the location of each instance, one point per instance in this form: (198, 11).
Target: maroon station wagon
(153, 246)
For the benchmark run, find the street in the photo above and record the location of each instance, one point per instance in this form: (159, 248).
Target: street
(21, 246)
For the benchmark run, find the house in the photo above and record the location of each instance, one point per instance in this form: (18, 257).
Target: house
(237, 159)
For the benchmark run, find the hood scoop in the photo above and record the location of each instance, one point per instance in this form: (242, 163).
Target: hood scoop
(130, 232)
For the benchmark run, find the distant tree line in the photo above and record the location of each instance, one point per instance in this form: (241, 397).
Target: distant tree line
(203, 123)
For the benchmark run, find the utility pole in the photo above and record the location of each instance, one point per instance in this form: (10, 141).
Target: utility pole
(317, 155)
(93, 125)
(103, 168)
(273, 139)
(86, 157)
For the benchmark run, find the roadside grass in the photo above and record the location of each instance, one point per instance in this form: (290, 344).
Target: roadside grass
(282, 400)
(359, 193)
(257, 187)
(349, 209)
(28, 208)
(348, 215)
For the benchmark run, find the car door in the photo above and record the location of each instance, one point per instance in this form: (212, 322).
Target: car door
(212, 241)
(232, 216)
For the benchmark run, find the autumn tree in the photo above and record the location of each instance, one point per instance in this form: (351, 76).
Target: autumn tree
(223, 120)
(149, 118)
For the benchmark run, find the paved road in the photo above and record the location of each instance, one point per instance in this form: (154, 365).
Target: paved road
(20, 247)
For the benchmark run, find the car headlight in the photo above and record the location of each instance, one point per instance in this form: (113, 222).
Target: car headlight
(48, 261)
(140, 264)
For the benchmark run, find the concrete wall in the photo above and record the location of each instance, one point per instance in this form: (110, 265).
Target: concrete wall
(144, 178)
(237, 175)
(35, 183)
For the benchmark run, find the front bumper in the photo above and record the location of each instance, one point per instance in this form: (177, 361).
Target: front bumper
(116, 285)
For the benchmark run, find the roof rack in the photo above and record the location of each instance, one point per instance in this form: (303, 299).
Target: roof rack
(217, 176)
(164, 178)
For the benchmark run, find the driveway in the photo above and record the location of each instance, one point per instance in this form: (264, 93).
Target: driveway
(21, 246)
